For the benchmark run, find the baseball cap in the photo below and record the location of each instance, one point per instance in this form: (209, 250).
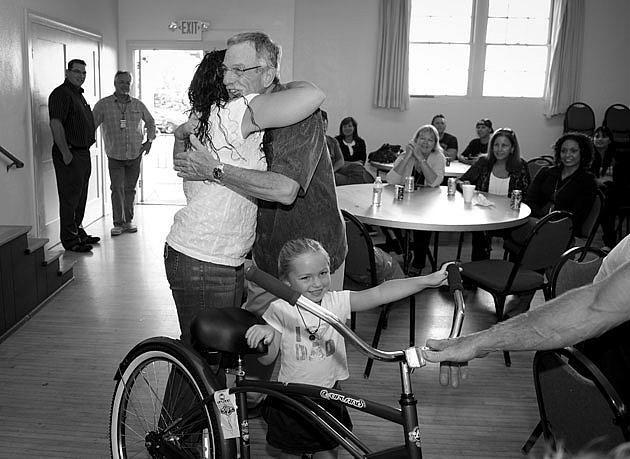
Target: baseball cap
(485, 122)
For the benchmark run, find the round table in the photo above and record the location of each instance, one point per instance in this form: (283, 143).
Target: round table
(454, 169)
(429, 209)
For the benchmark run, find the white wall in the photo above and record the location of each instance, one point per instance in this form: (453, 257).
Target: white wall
(335, 46)
(146, 22)
(17, 205)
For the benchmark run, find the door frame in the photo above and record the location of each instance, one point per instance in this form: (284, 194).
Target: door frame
(31, 18)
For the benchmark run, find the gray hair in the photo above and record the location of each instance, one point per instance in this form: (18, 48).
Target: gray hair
(266, 48)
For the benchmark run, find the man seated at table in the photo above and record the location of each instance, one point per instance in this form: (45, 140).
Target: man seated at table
(448, 142)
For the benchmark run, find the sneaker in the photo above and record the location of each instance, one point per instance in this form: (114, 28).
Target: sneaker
(82, 248)
(130, 228)
(117, 231)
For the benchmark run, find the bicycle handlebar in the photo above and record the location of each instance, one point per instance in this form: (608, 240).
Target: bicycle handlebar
(283, 291)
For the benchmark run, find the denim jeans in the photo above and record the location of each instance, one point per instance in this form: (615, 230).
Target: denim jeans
(123, 175)
(198, 285)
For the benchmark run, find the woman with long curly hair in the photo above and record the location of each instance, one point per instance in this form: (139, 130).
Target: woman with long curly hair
(211, 236)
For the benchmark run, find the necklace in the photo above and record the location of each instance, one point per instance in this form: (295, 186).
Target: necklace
(312, 335)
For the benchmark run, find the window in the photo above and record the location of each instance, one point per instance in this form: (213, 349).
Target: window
(488, 47)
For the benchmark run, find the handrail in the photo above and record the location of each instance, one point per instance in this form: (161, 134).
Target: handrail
(14, 161)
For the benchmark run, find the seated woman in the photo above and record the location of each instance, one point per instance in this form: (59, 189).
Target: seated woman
(424, 159)
(477, 146)
(615, 186)
(566, 186)
(603, 153)
(352, 146)
(500, 172)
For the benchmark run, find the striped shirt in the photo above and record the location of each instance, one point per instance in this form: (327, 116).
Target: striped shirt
(123, 139)
(67, 104)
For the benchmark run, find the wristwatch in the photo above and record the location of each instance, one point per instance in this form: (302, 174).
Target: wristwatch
(217, 172)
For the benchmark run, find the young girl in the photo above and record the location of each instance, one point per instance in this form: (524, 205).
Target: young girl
(311, 350)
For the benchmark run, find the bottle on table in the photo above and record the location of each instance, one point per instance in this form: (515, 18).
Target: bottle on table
(377, 192)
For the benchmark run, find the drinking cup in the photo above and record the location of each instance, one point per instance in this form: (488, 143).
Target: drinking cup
(468, 191)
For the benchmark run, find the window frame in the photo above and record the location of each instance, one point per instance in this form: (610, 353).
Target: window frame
(477, 58)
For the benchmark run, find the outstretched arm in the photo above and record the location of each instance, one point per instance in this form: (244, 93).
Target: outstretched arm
(394, 290)
(579, 314)
(281, 108)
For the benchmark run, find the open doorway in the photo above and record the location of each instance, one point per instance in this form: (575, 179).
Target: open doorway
(162, 80)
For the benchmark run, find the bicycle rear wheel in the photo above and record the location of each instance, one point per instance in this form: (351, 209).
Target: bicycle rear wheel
(158, 410)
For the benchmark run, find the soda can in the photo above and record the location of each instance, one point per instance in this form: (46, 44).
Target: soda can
(452, 186)
(409, 184)
(515, 199)
(399, 192)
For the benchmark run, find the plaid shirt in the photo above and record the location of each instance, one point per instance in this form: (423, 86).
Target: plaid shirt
(123, 143)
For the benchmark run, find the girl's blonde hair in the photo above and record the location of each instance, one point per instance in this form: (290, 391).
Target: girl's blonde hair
(293, 249)
(430, 128)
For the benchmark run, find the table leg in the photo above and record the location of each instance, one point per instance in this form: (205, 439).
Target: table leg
(406, 257)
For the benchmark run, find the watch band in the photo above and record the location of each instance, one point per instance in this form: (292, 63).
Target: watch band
(217, 172)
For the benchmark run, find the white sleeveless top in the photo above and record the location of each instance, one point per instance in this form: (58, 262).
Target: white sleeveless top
(498, 185)
(218, 224)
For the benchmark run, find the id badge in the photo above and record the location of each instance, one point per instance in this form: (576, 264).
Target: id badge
(123, 124)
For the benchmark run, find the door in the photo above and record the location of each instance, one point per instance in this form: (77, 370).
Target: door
(162, 80)
(52, 46)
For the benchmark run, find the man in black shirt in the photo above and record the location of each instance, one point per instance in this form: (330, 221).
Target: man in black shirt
(72, 128)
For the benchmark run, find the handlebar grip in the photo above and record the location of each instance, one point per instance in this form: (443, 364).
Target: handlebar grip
(454, 278)
(272, 285)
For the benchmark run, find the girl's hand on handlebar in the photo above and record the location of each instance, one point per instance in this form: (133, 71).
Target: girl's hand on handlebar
(257, 333)
(438, 278)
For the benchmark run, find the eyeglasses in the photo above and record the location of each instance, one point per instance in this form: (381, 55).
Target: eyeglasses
(237, 70)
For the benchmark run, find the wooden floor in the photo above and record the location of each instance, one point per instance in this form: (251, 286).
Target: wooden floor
(56, 372)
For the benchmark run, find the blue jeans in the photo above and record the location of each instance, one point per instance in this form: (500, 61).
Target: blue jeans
(123, 175)
(198, 285)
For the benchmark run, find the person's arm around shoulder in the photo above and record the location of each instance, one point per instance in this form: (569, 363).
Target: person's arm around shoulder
(395, 289)
(298, 100)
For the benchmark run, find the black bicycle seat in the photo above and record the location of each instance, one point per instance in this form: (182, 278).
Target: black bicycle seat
(224, 330)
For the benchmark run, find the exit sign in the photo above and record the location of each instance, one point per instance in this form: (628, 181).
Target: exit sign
(189, 29)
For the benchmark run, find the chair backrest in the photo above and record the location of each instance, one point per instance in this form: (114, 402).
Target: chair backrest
(360, 261)
(548, 240)
(617, 119)
(577, 267)
(591, 222)
(577, 404)
(579, 117)
(534, 165)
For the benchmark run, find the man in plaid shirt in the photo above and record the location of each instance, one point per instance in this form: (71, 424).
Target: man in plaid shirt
(124, 120)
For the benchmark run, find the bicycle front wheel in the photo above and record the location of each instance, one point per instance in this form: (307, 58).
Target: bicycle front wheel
(158, 410)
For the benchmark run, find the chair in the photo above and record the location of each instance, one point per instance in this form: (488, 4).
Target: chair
(579, 117)
(591, 223)
(623, 215)
(544, 246)
(578, 406)
(576, 267)
(534, 165)
(361, 262)
(617, 119)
